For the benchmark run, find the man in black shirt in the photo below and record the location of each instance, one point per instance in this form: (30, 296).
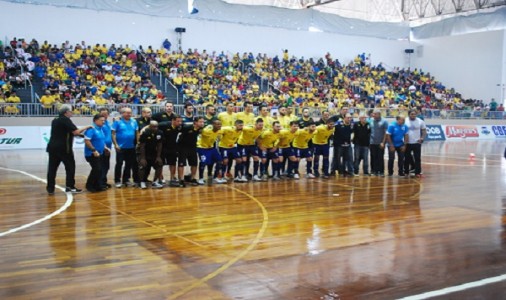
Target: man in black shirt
(323, 120)
(361, 139)
(165, 116)
(187, 148)
(60, 149)
(171, 133)
(188, 114)
(150, 156)
(210, 115)
(145, 118)
(305, 120)
(343, 162)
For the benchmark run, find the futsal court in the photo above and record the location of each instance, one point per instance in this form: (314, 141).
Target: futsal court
(341, 238)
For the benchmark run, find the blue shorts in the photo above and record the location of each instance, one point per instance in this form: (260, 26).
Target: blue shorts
(268, 154)
(321, 150)
(230, 153)
(286, 152)
(248, 150)
(304, 153)
(209, 156)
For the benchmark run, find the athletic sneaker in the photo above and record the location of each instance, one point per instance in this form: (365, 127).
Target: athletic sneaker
(143, 185)
(174, 183)
(256, 178)
(229, 175)
(310, 176)
(194, 182)
(264, 177)
(296, 176)
(156, 185)
(237, 179)
(219, 180)
(325, 176)
(181, 183)
(129, 184)
(118, 184)
(73, 190)
(276, 177)
(201, 181)
(244, 179)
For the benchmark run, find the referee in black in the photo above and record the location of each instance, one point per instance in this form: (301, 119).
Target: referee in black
(60, 150)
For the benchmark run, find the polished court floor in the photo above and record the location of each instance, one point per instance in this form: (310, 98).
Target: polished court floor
(343, 238)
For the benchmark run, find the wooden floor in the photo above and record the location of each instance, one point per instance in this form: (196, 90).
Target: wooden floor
(344, 238)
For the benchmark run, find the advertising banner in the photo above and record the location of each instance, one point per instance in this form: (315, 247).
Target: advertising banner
(461, 131)
(29, 137)
(19, 137)
(435, 133)
(499, 131)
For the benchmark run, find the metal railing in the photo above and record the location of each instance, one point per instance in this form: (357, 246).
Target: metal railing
(37, 110)
(169, 82)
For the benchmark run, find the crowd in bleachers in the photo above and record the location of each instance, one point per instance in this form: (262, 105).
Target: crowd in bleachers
(89, 76)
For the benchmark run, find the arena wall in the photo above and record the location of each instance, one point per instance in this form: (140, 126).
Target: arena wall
(473, 64)
(56, 25)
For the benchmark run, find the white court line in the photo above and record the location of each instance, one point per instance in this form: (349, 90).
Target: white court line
(456, 288)
(69, 201)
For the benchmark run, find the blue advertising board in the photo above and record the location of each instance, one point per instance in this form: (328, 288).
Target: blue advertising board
(435, 133)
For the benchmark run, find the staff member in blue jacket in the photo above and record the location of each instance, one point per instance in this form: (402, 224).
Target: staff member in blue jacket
(397, 136)
(95, 148)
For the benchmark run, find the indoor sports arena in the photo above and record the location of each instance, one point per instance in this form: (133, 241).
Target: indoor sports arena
(264, 150)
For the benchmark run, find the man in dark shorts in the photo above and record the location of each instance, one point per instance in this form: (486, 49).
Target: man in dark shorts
(150, 154)
(171, 131)
(187, 148)
(60, 150)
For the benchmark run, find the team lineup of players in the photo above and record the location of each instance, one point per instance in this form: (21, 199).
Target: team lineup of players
(218, 146)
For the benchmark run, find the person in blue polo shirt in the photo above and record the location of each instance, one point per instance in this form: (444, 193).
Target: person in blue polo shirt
(94, 141)
(106, 129)
(124, 136)
(396, 136)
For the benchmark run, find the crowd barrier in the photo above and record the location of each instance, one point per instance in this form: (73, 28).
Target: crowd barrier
(37, 137)
(37, 110)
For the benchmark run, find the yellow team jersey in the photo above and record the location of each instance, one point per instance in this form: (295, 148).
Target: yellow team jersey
(267, 121)
(208, 137)
(229, 136)
(302, 138)
(285, 138)
(322, 134)
(248, 119)
(268, 139)
(227, 119)
(249, 136)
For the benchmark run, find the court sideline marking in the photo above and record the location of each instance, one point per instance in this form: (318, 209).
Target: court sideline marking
(243, 253)
(69, 201)
(456, 288)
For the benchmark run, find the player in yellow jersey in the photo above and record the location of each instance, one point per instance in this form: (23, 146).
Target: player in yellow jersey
(267, 149)
(285, 149)
(208, 154)
(321, 147)
(283, 119)
(303, 151)
(247, 116)
(228, 117)
(247, 147)
(264, 114)
(229, 151)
